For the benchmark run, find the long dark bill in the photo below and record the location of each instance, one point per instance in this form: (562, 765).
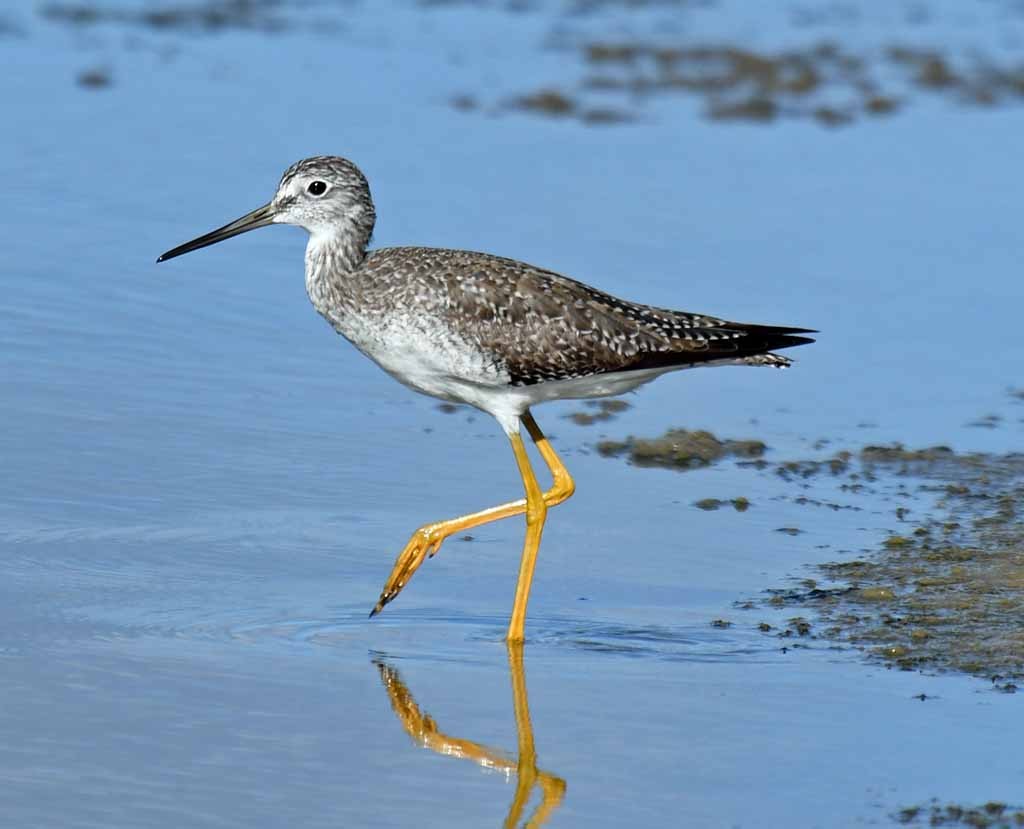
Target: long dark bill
(260, 217)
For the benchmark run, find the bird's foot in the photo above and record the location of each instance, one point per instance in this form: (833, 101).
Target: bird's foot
(425, 542)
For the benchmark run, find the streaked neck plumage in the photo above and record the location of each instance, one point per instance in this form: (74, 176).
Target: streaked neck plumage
(334, 252)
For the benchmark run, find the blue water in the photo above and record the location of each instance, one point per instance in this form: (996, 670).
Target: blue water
(204, 488)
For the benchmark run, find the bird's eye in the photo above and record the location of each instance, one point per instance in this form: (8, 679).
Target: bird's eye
(317, 188)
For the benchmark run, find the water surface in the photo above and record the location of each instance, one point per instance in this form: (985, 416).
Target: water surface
(204, 487)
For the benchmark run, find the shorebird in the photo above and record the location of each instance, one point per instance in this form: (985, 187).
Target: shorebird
(490, 332)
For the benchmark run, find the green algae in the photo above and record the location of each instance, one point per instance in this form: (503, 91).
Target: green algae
(98, 77)
(948, 595)
(598, 411)
(198, 15)
(946, 592)
(875, 594)
(680, 449)
(549, 102)
(822, 81)
(740, 504)
(611, 77)
(992, 815)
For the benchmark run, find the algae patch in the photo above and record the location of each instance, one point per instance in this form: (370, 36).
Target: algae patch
(824, 82)
(680, 449)
(949, 593)
(943, 590)
(740, 504)
(598, 411)
(200, 15)
(96, 78)
(991, 815)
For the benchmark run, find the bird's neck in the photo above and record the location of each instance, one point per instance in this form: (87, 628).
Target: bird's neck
(332, 252)
(330, 259)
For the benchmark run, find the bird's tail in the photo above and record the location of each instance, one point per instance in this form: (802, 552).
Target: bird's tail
(760, 339)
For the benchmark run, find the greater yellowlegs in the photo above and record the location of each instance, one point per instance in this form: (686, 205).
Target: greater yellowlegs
(494, 333)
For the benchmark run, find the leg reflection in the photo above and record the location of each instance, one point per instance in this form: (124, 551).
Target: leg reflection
(423, 730)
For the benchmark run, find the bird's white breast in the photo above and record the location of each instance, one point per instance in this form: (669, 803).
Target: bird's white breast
(409, 343)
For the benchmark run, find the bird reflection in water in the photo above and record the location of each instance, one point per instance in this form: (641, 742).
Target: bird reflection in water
(424, 731)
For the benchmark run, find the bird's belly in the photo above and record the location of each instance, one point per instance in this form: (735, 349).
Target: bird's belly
(425, 359)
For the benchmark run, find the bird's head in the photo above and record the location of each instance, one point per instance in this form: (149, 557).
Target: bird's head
(326, 195)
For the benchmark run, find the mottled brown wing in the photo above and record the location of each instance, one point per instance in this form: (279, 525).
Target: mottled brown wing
(542, 326)
(538, 325)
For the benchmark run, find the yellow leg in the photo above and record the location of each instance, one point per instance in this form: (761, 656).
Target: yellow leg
(426, 541)
(562, 486)
(536, 513)
(552, 788)
(422, 728)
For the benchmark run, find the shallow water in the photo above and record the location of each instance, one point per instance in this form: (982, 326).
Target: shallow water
(204, 487)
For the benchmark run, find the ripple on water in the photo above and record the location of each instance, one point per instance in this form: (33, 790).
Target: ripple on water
(261, 626)
(687, 643)
(445, 635)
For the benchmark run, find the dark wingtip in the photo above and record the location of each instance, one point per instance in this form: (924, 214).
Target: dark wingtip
(777, 329)
(770, 337)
